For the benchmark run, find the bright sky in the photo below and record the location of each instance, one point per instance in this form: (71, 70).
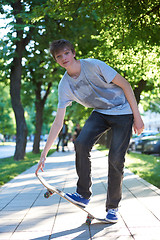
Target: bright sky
(3, 23)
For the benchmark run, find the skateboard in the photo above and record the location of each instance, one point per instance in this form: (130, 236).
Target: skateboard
(52, 190)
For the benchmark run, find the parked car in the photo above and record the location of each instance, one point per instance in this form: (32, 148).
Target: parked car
(136, 139)
(152, 146)
(148, 145)
(141, 143)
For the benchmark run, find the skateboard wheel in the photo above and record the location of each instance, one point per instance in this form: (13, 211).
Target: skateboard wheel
(47, 194)
(88, 221)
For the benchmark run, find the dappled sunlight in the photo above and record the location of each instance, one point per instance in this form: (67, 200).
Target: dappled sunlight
(6, 214)
(25, 210)
(78, 232)
(98, 197)
(68, 208)
(31, 224)
(134, 184)
(97, 205)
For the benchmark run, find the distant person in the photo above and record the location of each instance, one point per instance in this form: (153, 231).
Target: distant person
(62, 137)
(76, 132)
(94, 84)
(67, 139)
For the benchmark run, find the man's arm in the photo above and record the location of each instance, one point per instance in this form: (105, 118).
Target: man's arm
(124, 84)
(54, 131)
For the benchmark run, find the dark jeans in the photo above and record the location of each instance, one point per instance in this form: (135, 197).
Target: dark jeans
(93, 129)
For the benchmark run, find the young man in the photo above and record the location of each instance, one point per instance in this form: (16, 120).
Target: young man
(94, 84)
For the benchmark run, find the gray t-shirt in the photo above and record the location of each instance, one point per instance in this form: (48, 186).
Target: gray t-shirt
(94, 89)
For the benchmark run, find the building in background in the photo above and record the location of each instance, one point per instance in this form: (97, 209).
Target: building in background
(151, 120)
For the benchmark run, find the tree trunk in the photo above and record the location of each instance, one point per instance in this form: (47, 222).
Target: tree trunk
(39, 104)
(102, 139)
(15, 86)
(139, 89)
(106, 138)
(39, 122)
(15, 81)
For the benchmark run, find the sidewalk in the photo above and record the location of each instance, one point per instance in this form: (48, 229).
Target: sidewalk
(26, 214)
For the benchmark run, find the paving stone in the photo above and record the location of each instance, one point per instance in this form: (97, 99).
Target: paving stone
(26, 214)
(37, 235)
(5, 235)
(145, 233)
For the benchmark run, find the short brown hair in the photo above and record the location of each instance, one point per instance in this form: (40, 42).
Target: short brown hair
(58, 45)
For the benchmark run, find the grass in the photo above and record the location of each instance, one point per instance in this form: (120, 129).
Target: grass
(7, 143)
(145, 166)
(10, 168)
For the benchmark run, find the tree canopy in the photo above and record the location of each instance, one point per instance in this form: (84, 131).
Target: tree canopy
(124, 34)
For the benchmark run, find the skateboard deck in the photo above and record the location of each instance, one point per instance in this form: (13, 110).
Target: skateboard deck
(51, 190)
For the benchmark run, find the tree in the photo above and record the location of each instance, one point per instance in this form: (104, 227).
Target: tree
(17, 40)
(127, 43)
(40, 68)
(118, 32)
(38, 82)
(7, 126)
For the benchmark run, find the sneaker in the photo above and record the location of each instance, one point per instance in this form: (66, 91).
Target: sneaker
(112, 215)
(77, 199)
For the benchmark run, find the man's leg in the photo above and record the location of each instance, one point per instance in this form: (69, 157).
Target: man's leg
(63, 140)
(121, 133)
(94, 127)
(59, 140)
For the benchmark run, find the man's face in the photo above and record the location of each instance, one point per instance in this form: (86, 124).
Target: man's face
(65, 57)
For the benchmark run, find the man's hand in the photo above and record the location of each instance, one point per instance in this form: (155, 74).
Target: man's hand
(41, 164)
(54, 131)
(138, 126)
